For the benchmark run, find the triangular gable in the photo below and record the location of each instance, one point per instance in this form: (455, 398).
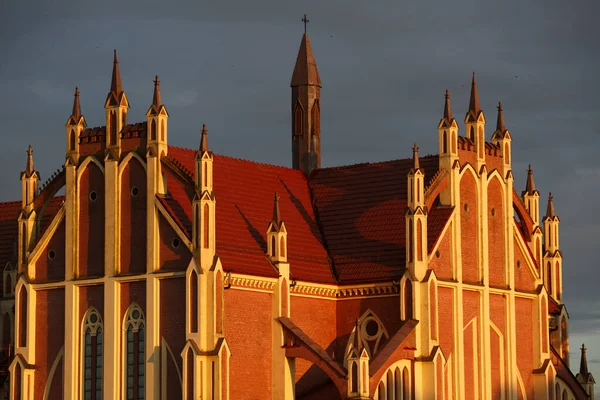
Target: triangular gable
(525, 273)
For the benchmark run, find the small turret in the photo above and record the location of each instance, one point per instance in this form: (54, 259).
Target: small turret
(204, 204)
(75, 124)
(29, 189)
(116, 107)
(531, 198)
(447, 145)
(502, 138)
(357, 359)
(29, 179)
(416, 219)
(584, 376)
(552, 256)
(277, 236)
(306, 110)
(475, 124)
(157, 118)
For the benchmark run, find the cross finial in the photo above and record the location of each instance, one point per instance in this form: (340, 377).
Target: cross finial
(306, 21)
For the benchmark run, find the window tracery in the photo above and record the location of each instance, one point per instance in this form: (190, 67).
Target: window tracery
(135, 343)
(92, 355)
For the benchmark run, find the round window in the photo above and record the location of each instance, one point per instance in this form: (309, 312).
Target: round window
(175, 243)
(135, 314)
(93, 195)
(51, 254)
(371, 328)
(93, 318)
(466, 207)
(135, 191)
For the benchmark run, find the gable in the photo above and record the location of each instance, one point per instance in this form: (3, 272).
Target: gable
(525, 278)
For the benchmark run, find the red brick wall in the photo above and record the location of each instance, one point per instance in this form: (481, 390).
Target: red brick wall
(47, 269)
(439, 368)
(496, 365)
(470, 311)
(133, 292)
(467, 156)
(172, 257)
(387, 310)
(446, 320)
(135, 143)
(468, 227)
(91, 222)
(316, 318)
(91, 148)
(443, 265)
(496, 245)
(49, 336)
(133, 218)
(524, 325)
(524, 280)
(91, 296)
(172, 330)
(248, 331)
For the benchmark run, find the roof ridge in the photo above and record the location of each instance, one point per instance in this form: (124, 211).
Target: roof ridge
(375, 163)
(10, 202)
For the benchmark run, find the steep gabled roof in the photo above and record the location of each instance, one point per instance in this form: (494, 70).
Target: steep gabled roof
(361, 211)
(244, 192)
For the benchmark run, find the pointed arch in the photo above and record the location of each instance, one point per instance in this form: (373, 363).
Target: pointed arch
(22, 317)
(72, 140)
(219, 302)
(549, 277)
(134, 358)
(193, 302)
(405, 383)
(162, 130)
(445, 142)
(206, 224)
(153, 130)
(282, 247)
(419, 240)
(190, 375)
(113, 128)
(17, 380)
(92, 354)
(557, 280)
(354, 376)
(127, 159)
(472, 133)
(390, 385)
(316, 119)
(453, 142)
(506, 153)
(408, 300)
(410, 241)
(273, 246)
(298, 119)
(51, 373)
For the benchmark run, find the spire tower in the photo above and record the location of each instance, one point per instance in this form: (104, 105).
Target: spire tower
(584, 376)
(75, 125)
(475, 124)
(157, 118)
(501, 137)
(116, 107)
(447, 147)
(306, 110)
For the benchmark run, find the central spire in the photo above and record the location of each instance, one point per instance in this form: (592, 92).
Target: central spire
(415, 157)
(29, 169)
(530, 186)
(276, 214)
(583, 368)
(447, 107)
(550, 210)
(500, 126)
(76, 106)
(115, 86)
(156, 101)
(305, 71)
(204, 139)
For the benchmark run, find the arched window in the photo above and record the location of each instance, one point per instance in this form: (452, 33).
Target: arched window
(298, 113)
(190, 375)
(354, 377)
(419, 241)
(538, 251)
(197, 215)
(206, 216)
(219, 302)
(472, 134)
(418, 190)
(153, 130)
(113, 128)
(407, 300)
(162, 130)
(398, 383)
(453, 142)
(193, 302)
(564, 395)
(557, 269)
(433, 310)
(381, 390)
(390, 385)
(316, 119)
(410, 242)
(22, 317)
(549, 277)
(135, 355)
(17, 387)
(205, 174)
(405, 384)
(273, 246)
(92, 355)
(557, 391)
(72, 140)
(282, 247)
(445, 142)
(506, 154)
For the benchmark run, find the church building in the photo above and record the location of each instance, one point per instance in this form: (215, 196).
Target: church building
(140, 270)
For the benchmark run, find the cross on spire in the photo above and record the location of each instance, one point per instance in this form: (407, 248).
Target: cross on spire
(306, 21)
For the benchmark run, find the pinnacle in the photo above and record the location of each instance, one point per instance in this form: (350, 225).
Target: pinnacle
(530, 186)
(305, 72)
(583, 368)
(474, 101)
(500, 126)
(415, 157)
(29, 165)
(276, 214)
(76, 106)
(156, 100)
(447, 108)
(550, 210)
(204, 139)
(116, 87)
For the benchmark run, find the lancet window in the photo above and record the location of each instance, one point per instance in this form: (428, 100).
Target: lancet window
(135, 343)
(92, 355)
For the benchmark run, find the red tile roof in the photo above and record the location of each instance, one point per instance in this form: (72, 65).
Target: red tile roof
(244, 192)
(361, 211)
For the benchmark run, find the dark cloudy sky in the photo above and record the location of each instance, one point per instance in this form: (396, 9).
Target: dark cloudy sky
(384, 66)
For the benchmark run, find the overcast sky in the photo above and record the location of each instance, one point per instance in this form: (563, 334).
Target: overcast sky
(384, 66)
